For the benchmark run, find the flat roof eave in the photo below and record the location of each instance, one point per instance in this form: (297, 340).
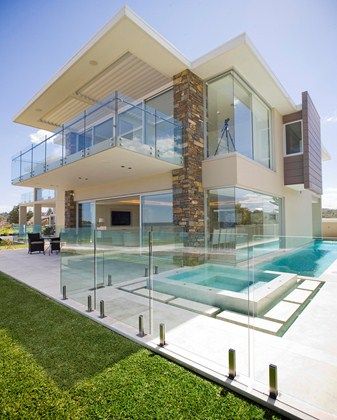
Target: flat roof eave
(125, 34)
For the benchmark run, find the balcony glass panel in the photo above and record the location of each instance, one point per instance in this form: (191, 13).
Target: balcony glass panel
(27, 197)
(39, 158)
(16, 167)
(44, 194)
(115, 121)
(54, 151)
(26, 164)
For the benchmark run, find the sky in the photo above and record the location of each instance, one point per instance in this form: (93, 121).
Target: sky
(297, 39)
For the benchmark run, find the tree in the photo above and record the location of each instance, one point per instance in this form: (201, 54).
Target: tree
(13, 215)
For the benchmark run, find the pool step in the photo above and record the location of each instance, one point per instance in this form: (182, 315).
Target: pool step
(282, 311)
(197, 307)
(309, 285)
(161, 297)
(133, 286)
(298, 296)
(259, 324)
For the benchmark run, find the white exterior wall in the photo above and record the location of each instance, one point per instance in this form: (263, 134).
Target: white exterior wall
(240, 171)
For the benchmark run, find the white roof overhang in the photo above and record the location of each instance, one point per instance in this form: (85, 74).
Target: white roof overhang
(129, 56)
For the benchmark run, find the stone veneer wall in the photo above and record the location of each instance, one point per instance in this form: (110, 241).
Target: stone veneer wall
(69, 209)
(188, 195)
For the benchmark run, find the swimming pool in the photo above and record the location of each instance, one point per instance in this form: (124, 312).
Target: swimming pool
(225, 287)
(223, 278)
(311, 260)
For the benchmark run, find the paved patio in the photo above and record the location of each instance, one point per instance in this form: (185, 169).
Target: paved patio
(306, 355)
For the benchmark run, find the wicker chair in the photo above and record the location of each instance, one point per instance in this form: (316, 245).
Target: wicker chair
(54, 245)
(35, 243)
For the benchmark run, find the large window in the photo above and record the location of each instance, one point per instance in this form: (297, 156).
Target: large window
(238, 120)
(293, 132)
(242, 212)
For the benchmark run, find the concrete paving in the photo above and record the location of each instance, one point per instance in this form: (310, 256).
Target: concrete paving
(306, 355)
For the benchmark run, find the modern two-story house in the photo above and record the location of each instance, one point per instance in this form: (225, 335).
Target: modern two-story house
(142, 136)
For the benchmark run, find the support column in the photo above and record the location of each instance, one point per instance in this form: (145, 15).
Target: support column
(188, 194)
(37, 219)
(59, 209)
(69, 209)
(22, 219)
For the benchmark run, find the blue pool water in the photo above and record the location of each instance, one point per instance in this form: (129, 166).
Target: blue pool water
(311, 260)
(222, 277)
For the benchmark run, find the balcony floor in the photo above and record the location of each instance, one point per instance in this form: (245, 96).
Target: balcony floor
(113, 164)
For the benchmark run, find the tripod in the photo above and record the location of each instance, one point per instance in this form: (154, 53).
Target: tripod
(229, 138)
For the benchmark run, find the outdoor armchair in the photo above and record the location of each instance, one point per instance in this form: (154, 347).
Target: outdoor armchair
(35, 243)
(55, 244)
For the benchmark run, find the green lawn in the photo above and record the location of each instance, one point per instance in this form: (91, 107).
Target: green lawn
(56, 364)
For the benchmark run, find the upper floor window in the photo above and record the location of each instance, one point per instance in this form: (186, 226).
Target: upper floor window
(238, 120)
(293, 138)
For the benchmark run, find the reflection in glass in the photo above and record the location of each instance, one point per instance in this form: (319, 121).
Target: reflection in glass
(242, 212)
(220, 110)
(86, 215)
(261, 133)
(237, 120)
(243, 120)
(157, 211)
(294, 138)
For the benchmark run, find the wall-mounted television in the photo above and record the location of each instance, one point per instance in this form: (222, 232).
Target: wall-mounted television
(120, 218)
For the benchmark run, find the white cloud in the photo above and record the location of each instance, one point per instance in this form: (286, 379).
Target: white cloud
(331, 118)
(39, 136)
(329, 198)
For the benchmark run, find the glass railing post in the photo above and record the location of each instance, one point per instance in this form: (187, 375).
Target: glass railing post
(156, 152)
(63, 155)
(20, 174)
(116, 125)
(95, 267)
(45, 154)
(32, 162)
(150, 284)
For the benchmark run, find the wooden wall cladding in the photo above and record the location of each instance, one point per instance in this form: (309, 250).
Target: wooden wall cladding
(293, 170)
(312, 153)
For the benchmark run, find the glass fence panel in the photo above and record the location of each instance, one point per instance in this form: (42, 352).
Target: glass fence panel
(54, 151)
(201, 292)
(294, 319)
(78, 264)
(121, 264)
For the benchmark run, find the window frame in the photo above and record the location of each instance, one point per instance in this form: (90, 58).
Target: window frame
(285, 154)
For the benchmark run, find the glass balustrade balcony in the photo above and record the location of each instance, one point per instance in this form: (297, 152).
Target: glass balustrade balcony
(116, 121)
(40, 194)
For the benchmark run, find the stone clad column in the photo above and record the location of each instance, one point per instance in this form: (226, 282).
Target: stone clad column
(69, 209)
(188, 195)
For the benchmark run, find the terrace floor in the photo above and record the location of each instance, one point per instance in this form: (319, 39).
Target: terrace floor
(306, 354)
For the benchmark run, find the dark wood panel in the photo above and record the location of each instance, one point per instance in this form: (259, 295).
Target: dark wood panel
(312, 160)
(295, 116)
(293, 170)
